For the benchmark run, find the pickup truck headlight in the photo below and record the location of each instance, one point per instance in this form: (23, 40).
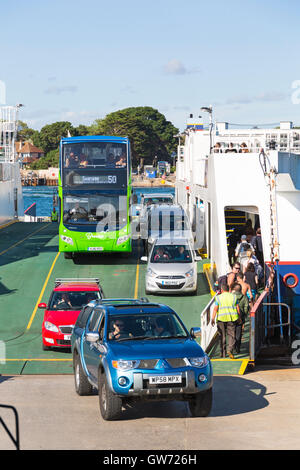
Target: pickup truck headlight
(125, 365)
(67, 240)
(198, 361)
(49, 326)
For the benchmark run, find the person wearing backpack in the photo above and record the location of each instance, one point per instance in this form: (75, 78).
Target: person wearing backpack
(242, 248)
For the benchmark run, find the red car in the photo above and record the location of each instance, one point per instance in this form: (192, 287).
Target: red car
(67, 299)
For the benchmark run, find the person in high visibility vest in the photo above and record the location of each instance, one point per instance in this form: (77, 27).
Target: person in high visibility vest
(227, 314)
(54, 215)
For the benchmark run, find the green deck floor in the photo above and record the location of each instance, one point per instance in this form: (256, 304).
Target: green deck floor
(29, 264)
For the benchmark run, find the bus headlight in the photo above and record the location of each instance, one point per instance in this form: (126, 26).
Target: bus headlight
(122, 239)
(67, 240)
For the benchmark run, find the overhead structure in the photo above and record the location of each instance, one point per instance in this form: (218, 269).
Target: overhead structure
(8, 132)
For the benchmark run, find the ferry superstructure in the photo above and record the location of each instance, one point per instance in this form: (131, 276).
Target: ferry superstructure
(254, 173)
(11, 200)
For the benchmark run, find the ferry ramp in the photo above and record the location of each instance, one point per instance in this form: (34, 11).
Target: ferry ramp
(30, 263)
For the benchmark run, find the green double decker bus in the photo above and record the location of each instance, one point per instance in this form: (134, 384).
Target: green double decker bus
(95, 190)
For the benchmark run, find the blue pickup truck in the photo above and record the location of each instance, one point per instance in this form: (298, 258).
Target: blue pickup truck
(136, 350)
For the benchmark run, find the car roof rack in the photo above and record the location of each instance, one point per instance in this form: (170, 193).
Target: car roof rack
(142, 300)
(73, 280)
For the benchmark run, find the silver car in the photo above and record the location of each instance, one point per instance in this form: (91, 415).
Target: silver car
(172, 267)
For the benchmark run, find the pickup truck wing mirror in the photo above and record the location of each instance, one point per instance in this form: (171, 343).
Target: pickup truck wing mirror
(92, 337)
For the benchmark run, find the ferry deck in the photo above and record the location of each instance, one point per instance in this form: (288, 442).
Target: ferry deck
(30, 263)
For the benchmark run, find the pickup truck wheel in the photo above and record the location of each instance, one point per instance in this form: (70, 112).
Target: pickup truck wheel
(82, 385)
(110, 404)
(68, 254)
(200, 404)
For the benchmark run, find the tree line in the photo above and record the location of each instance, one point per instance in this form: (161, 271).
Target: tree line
(150, 134)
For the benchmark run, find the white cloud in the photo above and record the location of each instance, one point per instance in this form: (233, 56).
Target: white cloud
(176, 67)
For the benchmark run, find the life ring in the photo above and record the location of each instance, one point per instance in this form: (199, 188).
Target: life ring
(287, 276)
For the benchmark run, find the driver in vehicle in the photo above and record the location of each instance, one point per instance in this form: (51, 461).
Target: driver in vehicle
(63, 303)
(119, 331)
(161, 255)
(78, 212)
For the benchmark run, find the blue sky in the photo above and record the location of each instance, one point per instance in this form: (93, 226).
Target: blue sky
(78, 61)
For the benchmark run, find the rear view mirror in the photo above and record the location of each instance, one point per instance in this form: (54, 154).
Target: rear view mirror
(42, 305)
(144, 258)
(198, 258)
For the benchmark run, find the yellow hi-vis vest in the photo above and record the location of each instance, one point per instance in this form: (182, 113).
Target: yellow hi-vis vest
(227, 307)
(54, 216)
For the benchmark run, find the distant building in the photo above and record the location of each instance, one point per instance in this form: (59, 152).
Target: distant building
(28, 153)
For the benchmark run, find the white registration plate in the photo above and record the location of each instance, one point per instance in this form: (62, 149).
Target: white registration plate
(165, 379)
(67, 337)
(170, 283)
(95, 248)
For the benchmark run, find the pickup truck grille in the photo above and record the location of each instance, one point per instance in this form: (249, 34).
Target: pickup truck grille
(174, 363)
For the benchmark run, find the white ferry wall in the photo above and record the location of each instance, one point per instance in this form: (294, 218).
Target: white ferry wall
(236, 180)
(10, 180)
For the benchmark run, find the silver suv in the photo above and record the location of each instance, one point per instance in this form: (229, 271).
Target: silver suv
(172, 267)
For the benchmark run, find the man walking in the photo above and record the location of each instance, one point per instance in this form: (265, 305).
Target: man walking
(226, 313)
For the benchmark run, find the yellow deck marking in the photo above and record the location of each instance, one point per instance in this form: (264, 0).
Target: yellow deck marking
(36, 359)
(243, 361)
(8, 224)
(42, 292)
(21, 241)
(243, 366)
(136, 287)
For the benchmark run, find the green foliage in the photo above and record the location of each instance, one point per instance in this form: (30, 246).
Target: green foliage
(81, 130)
(148, 130)
(150, 134)
(50, 135)
(24, 132)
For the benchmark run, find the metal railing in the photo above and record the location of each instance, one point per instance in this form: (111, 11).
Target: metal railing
(262, 321)
(208, 332)
(15, 439)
